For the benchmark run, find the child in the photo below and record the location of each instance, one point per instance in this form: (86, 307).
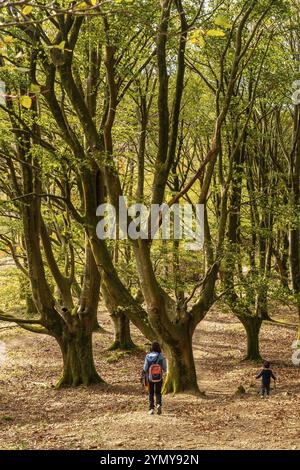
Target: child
(154, 366)
(266, 374)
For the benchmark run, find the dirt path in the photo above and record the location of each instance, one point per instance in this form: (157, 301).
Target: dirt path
(34, 415)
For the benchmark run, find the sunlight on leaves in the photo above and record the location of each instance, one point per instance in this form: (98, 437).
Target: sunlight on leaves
(60, 46)
(222, 22)
(27, 10)
(8, 39)
(34, 88)
(197, 38)
(216, 33)
(26, 101)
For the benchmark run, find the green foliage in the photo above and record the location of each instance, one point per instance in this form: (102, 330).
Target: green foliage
(11, 295)
(53, 139)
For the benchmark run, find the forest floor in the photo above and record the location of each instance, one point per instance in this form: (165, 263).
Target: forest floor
(35, 415)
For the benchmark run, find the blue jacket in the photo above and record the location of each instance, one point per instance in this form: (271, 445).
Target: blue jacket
(154, 358)
(266, 375)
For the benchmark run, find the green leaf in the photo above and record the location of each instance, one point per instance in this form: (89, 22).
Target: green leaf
(34, 88)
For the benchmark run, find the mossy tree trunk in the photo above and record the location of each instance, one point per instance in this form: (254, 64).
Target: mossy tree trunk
(78, 362)
(70, 325)
(122, 335)
(76, 340)
(26, 294)
(122, 339)
(181, 375)
(252, 326)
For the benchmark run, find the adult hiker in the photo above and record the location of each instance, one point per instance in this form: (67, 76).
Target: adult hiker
(154, 366)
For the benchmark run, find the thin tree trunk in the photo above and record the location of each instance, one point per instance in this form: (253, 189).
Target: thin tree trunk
(282, 257)
(122, 339)
(90, 291)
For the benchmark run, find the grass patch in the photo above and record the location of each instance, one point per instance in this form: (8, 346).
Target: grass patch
(117, 355)
(7, 418)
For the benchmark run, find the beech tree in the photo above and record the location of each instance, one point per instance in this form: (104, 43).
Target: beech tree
(106, 93)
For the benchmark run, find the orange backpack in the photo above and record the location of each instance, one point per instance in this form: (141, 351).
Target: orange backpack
(155, 371)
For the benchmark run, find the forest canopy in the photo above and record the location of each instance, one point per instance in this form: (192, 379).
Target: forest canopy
(170, 102)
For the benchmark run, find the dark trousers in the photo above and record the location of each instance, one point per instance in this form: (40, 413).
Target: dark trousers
(265, 387)
(154, 388)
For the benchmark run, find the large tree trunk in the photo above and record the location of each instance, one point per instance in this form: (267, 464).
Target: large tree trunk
(181, 375)
(252, 326)
(122, 338)
(78, 362)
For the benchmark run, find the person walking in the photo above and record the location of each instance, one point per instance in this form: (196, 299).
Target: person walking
(266, 374)
(155, 366)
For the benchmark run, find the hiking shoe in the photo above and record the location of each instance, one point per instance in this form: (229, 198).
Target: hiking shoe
(159, 409)
(262, 397)
(151, 412)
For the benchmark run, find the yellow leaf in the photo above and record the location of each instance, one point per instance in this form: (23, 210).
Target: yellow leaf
(94, 2)
(26, 101)
(201, 41)
(216, 33)
(8, 39)
(81, 6)
(197, 38)
(222, 21)
(61, 45)
(27, 10)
